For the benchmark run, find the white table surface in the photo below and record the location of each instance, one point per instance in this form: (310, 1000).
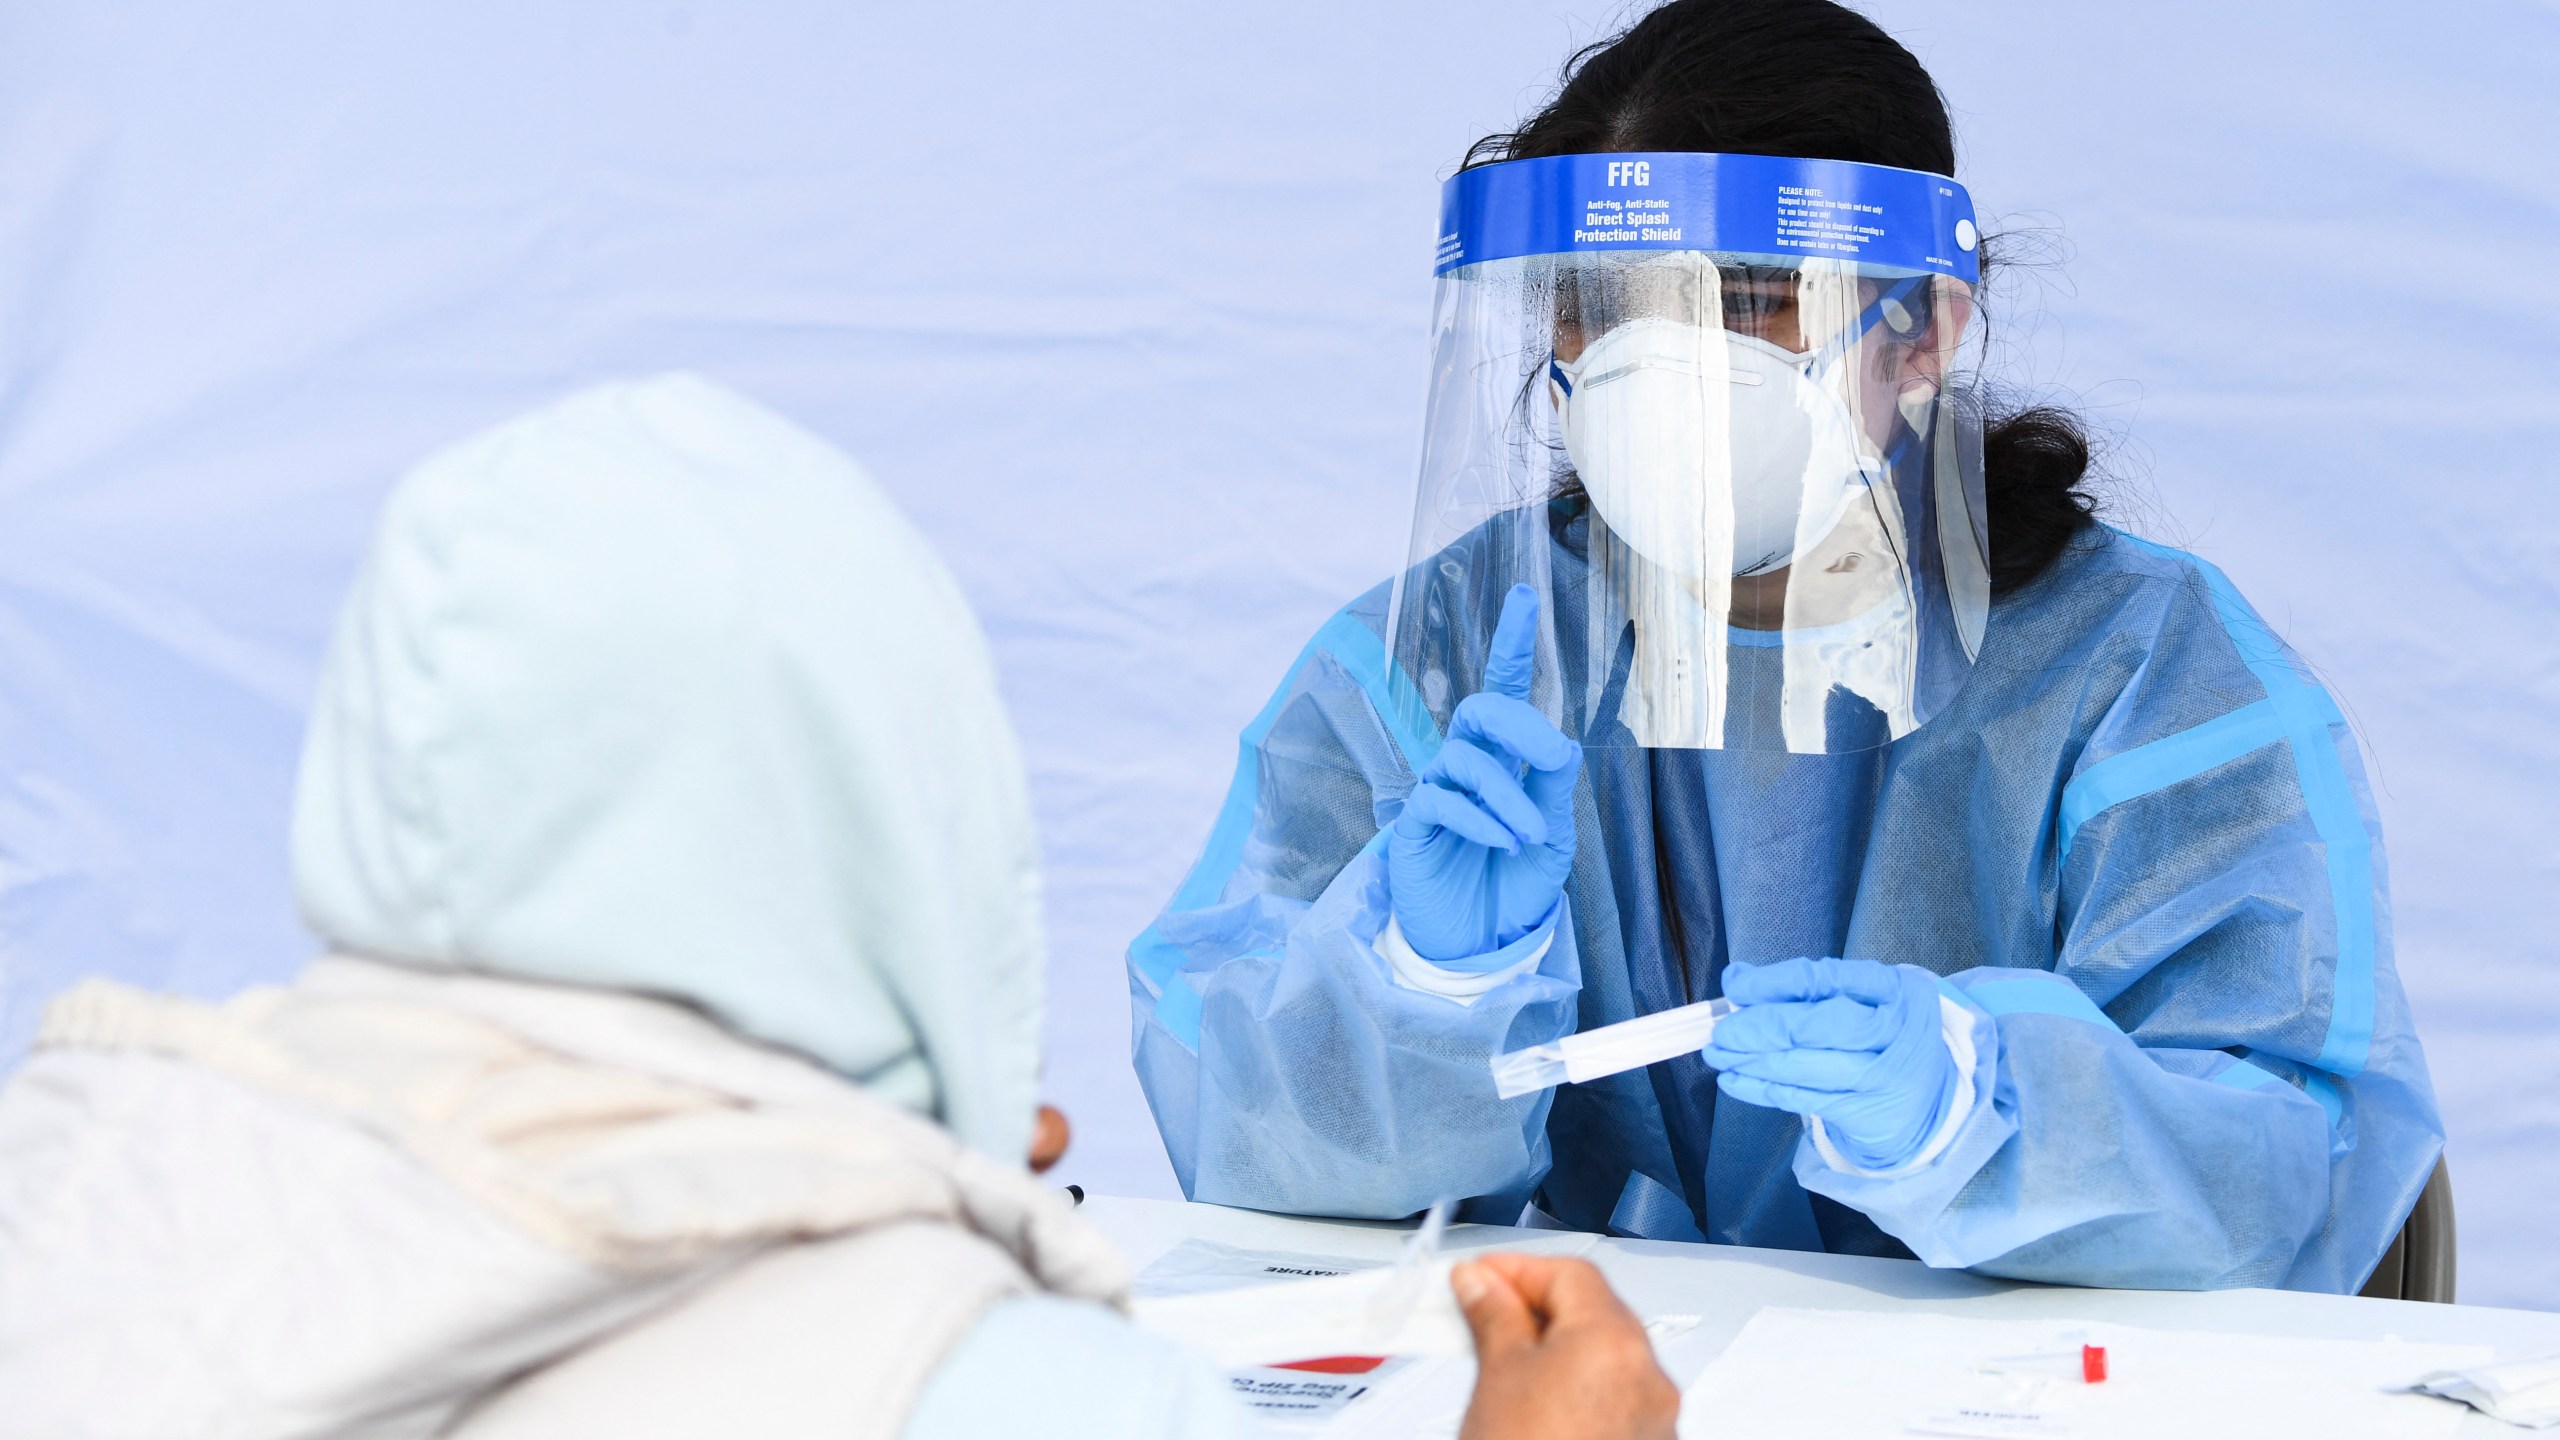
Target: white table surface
(1725, 1285)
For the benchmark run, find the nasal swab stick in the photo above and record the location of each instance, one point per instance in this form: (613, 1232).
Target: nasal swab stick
(1645, 1040)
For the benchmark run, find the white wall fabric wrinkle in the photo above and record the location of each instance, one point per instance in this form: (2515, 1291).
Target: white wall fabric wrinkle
(1126, 307)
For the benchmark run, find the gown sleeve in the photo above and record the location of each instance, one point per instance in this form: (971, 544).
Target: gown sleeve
(2217, 1083)
(1288, 1068)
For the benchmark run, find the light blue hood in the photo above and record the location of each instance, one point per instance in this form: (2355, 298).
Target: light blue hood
(654, 690)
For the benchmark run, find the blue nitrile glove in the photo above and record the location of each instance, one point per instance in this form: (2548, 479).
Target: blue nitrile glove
(1853, 1041)
(1479, 856)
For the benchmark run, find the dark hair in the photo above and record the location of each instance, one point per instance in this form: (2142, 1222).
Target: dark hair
(1814, 80)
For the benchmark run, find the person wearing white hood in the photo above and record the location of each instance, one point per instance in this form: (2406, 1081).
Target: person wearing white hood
(674, 1052)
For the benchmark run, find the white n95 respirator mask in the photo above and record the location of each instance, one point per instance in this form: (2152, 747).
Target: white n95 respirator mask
(1709, 452)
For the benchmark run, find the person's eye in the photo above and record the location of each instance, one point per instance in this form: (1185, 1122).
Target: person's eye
(1759, 312)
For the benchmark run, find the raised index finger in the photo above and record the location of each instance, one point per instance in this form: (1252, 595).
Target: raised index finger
(1513, 660)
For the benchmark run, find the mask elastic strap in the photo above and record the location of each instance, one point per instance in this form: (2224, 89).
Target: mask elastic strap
(1897, 296)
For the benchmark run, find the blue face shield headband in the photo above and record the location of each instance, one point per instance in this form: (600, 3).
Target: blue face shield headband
(1759, 205)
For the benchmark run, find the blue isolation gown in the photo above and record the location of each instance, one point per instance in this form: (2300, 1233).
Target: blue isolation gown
(2137, 845)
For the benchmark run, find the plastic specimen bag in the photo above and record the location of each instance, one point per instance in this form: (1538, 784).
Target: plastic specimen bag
(1403, 1309)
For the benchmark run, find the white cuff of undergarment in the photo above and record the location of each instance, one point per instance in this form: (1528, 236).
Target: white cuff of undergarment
(1467, 980)
(1955, 1029)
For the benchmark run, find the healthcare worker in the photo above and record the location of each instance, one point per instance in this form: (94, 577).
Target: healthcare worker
(671, 1068)
(1744, 650)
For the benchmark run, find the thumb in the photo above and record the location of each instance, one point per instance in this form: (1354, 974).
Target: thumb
(1495, 1312)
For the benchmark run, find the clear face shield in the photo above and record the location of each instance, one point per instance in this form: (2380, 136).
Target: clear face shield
(1701, 406)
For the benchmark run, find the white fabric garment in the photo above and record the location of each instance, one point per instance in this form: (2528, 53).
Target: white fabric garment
(1465, 986)
(659, 780)
(653, 689)
(363, 1203)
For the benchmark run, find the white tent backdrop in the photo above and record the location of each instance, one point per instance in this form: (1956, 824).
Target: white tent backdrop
(1126, 304)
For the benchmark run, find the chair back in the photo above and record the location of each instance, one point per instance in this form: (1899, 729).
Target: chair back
(2419, 1264)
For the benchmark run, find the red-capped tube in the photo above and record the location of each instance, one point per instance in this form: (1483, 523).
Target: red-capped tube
(2093, 1363)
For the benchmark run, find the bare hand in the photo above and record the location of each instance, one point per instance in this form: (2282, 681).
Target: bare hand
(1558, 1355)
(1048, 1138)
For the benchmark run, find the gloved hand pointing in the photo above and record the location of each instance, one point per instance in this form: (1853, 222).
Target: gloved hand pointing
(1479, 856)
(1856, 1042)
